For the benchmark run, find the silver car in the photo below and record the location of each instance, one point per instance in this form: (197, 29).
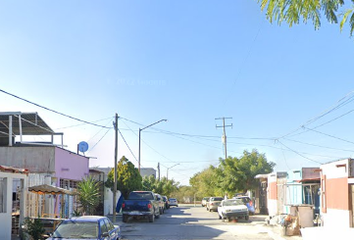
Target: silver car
(213, 203)
(173, 202)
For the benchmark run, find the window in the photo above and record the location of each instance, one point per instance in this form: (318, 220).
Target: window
(3, 194)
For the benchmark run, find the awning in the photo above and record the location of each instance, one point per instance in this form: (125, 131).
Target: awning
(49, 189)
(31, 124)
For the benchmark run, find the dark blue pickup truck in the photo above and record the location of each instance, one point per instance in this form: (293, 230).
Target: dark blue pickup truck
(141, 204)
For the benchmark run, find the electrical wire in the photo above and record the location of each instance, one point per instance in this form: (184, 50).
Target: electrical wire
(298, 153)
(100, 139)
(126, 143)
(54, 111)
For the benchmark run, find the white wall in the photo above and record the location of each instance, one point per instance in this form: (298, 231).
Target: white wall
(6, 218)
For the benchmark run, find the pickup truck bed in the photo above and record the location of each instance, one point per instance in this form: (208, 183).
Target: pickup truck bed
(141, 204)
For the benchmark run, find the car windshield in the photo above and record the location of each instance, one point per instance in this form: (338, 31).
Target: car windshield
(141, 196)
(235, 202)
(76, 230)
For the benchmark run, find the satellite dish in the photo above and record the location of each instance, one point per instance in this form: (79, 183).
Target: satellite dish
(83, 146)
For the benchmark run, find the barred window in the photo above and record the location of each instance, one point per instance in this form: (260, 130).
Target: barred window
(68, 184)
(3, 193)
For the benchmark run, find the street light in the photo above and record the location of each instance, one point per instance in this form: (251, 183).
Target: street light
(141, 129)
(170, 168)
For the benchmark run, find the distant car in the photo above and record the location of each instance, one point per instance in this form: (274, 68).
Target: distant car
(204, 201)
(173, 202)
(248, 202)
(233, 209)
(213, 203)
(86, 227)
(167, 203)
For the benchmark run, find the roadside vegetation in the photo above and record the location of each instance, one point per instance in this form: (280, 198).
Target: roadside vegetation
(232, 175)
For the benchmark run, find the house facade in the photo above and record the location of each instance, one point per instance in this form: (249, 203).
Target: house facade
(12, 202)
(337, 193)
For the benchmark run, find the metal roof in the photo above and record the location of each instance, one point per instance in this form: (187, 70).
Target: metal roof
(49, 189)
(31, 123)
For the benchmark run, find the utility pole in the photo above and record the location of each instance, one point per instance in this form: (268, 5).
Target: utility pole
(158, 170)
(224, 131)
(115, 124)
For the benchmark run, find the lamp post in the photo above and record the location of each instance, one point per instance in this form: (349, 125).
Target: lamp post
(170, 168)
(141, 129)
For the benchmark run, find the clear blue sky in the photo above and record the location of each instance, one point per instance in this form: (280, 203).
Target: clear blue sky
(189, 62)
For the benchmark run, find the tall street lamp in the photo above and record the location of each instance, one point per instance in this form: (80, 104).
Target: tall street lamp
(170, 168)
(141, 129)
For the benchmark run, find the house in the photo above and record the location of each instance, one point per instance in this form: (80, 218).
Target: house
(46, 162)
(12, 203)
(302, 188)
(275, 193)
(337, 193)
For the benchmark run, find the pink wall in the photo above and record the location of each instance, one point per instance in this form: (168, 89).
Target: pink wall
(69, 165)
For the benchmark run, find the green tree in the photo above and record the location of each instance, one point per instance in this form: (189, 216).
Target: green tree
(206, 183)
(88, 194)
(164, 187)
(238, 174)
(128, 177)
(292, 11)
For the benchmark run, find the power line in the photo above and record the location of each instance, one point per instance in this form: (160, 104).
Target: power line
(54, 111)
(126, 143)
(100, 139)
(298, 153)
(328, 135)
(315, 145)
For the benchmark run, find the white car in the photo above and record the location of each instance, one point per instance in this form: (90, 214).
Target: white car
(173, 202)
(233, 209)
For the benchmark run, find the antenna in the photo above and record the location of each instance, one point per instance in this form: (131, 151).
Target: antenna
(82, 147)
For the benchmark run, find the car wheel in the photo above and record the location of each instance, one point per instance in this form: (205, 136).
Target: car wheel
(210, 210)
(247, 218)
(125, 218)
(220, 217)
(158, 214)
(152, 218)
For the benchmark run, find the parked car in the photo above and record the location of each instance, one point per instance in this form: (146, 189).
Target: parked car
(213, 203)
(167, 203)
(86, 227)
(233, 209)
(173, 202)
(204, 201)
(248, 202)
(141, 204)
(161, 203)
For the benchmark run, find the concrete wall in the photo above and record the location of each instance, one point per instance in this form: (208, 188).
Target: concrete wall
(36, 159)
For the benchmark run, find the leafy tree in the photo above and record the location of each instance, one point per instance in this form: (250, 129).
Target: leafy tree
(88, 194)
(164, 187)
(184, 193)
(238, 174)
(206, 183)
(292, 11)
(128, 177)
